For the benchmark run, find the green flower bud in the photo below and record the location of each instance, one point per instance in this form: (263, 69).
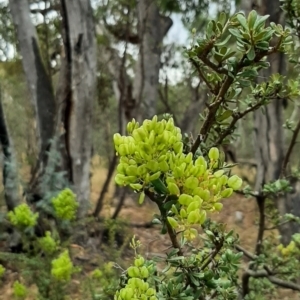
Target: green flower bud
(202, 217)
(150, 292)
(151, 138)
(163, 166)
(178, 172)
(139, 261)
(218, 206)
(192, 206)
(117, 139)
(185, 199)
(178, 147)
(130, 127)
(133, 272)
(219, 173)
(144, 272)
(152, 165)
(155, 176)
(235, 182)
(142, 197)
(172, 222)
(191, 182)
(193, 217)
(189, 158)
(203, 194)
(174, 210)
(142, 170)
(132, 171)
(214, 154)
(183, 213)
(123, 149)
(136, 186)
(226, 193)
(137, 137)
(223, 180)
(200, 161)
(172, 140)
(173, 188)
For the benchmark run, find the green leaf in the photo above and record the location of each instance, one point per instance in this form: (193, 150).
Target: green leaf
(260, 21)
(235, 32)
(248, 73)
(159, 186)
(241, 18)
(223, 42)
(223, 18)
(228, 55)
(210, 29)
(262, 45)
(252, 19)
(251, 54)
(225, 115)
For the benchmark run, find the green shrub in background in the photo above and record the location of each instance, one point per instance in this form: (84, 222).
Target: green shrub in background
(46, 262)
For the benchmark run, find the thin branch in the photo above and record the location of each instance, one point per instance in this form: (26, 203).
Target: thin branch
(279, 282)
(213, 107)
(105, 186)
(260, 200)
(173, 237)
(290, 150)
(218, 247)
(214, 67)
(235, 118)
(245, 252)
(202, 76)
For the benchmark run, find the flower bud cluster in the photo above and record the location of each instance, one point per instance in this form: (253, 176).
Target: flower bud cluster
(65, 205)
(62, 267)
(144, 154)
(137, 287)
(19, 290)
(2, 271)
(22, 216)
(154, 151)
(48, 243)
(289, 250)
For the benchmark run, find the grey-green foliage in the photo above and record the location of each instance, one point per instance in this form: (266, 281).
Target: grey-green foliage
(54, 179)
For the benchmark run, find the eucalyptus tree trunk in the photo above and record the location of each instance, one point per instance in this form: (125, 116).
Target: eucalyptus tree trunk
(71, 119)
(38, 81)
(81, 38)
(270, 138)
(10, 172)
(152, 28)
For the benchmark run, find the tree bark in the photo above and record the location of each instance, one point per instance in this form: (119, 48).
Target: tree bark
(38, 81)
(10, 172)
(80, 33)
(152, 28)
(270, 139)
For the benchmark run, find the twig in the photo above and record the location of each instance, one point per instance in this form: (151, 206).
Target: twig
(170, 230)
(260, 200)
(279, 282)
(218, 247)
(290, 149)
(105, 186)
(235, 118)
(173, 238)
